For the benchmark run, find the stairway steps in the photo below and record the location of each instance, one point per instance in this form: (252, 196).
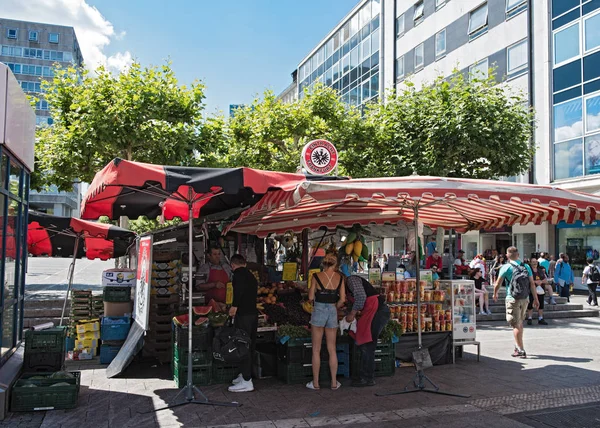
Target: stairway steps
(577, 313)
(43, 312)
(30, 322)
(500, 309)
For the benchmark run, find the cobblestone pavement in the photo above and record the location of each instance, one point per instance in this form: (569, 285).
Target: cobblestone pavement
(562, 370)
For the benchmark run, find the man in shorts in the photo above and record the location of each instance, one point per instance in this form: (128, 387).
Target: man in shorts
(516, 309)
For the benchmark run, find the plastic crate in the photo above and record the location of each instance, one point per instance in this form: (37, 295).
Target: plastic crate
(224, 373)
(116, 294)
(201, 375)
(300, 373)
(302, 353)
(198, 357)
(114, 331)
(44, 396)
(48, 362)
(49, 340)
(202, 338)
(108, 353)
(384, 365)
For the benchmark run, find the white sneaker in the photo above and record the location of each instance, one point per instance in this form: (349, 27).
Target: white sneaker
(243, 386)
(237, 380)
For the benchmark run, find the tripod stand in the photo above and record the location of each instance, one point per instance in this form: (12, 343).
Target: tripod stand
(421, 357)
(189, 391)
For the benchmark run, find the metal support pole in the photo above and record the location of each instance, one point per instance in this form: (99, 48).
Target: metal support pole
(418, 275)
(71, 274)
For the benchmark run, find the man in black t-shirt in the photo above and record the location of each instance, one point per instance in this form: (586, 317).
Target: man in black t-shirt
(243, 310)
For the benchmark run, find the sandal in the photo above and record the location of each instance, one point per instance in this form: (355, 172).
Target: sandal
(337, 386)
(310, 385)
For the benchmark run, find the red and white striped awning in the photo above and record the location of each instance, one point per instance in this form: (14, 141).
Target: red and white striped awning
(460, 204)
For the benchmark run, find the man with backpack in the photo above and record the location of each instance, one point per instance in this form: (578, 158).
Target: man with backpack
(519, 283)
(591, 277)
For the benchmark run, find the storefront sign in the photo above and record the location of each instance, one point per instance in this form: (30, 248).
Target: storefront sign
(319, 157)
(143, 277)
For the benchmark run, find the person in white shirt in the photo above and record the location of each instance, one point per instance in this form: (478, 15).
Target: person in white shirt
(589, 278)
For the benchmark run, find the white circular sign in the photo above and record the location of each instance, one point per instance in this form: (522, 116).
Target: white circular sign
(319, 157)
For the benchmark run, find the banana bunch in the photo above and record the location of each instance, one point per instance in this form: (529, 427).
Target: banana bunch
(260, 306)
(307, 307)
(355, 246)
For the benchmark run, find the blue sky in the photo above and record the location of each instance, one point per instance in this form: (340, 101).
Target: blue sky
(237, 48)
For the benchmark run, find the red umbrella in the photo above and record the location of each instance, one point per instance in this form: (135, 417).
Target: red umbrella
(55, 236)
(135, 189)
(72, 237)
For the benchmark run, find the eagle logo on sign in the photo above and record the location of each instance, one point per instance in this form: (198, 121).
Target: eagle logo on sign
(319, 157)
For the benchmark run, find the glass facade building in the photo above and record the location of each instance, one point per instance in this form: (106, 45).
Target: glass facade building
(348, 60)
(14, 185)
(576, 88)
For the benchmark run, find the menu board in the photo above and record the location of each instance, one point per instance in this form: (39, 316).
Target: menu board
(375, 276)
(290, 271)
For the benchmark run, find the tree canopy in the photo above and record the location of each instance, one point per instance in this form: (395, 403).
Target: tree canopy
(270, 134)
(141, 114)
(464, 126)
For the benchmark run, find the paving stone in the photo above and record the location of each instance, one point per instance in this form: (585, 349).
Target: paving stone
(320, 422)
(259, 424)
(291, 423)
(353, 419)
(411, 413)
(224, 426)
(383, 416)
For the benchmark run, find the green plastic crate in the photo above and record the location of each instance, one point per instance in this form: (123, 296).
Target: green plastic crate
(180, 356)
(385, 365)
(116, 294)
(201, 375)
(224, 373)
(44, 396)
(49, 340)
(300, 373)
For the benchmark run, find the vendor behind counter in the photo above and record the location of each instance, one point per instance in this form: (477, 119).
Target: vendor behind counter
(214, 276)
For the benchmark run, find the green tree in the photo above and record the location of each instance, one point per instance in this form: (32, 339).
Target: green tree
(141, 114)
(270, 134)
(456, 127)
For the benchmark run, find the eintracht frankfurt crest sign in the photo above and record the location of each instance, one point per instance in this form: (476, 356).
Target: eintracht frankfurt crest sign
(319, 157)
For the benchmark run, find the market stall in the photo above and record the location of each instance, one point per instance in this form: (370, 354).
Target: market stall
(449, 203)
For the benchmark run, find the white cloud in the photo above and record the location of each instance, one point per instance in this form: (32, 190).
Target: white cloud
(94, 32)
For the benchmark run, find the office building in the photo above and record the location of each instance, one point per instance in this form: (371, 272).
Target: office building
(31, 50)
(548, 49)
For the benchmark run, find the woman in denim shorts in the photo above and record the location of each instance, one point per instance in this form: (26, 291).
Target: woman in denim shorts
(328, 293)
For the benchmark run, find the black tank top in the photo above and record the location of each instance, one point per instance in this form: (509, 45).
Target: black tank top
(325, 295)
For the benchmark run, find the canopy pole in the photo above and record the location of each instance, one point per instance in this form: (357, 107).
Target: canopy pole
(189, 391)
(418, 275)
(71, 274)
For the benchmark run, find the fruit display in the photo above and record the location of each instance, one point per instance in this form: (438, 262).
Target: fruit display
(283, 304)
(355, 246)
(308, 307)
(292, 331)
(391, 329)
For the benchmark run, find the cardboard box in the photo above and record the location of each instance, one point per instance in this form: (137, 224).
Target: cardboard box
(118, 278)
(118, 309)
(83, 327)
(88, 335)
(86, 344)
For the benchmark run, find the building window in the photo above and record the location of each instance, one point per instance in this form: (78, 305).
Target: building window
(568, 120)
(591, 37)
(478, 21)
(440, 43)
(568, 159)
(517, 57)
(11, 33)
(592, 113)
(419, 12)
(419, 56)
(53, 37)
(566, 44)
(479, 70)
(33, 36)
(514, 7)
(400, 26)
(439, 3)
(400, 67)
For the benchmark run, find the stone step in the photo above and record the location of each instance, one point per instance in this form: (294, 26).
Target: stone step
(498, 309)
(578, 313)
(43, 303)
(44, 312)
(501, 301)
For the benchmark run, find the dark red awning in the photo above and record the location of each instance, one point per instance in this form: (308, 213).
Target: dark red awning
(55, 236)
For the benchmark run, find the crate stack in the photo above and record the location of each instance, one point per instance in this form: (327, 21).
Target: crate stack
(88, 339)
(295, 360)
(385, 359)
(43, 384)
(97, 304)
(202, 360)
(164, 302)
(113, 333)
(80, 310)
